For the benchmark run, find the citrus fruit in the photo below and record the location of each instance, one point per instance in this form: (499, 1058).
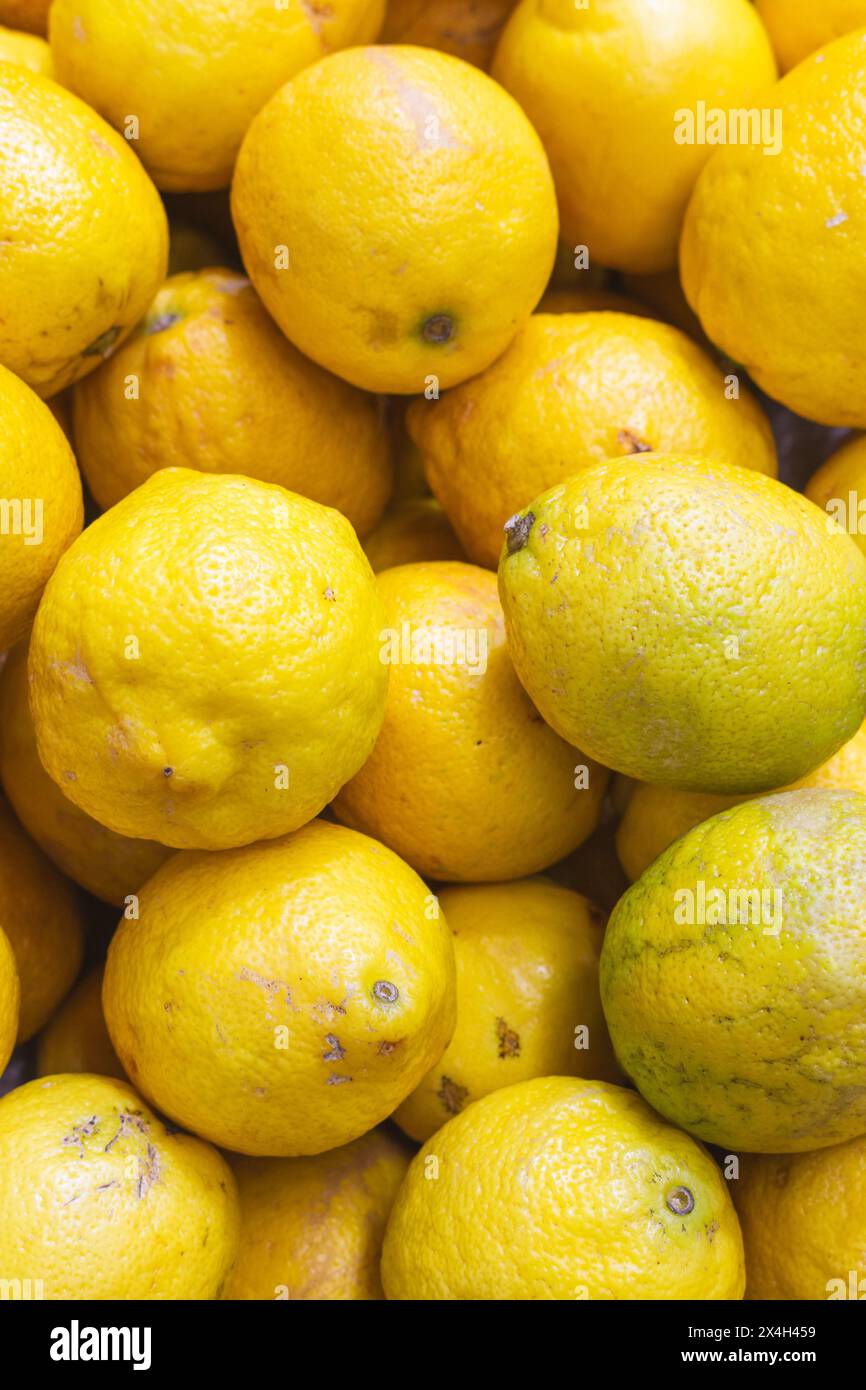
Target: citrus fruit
(84, 233)
(312, 1228)
(560, 1188)
(216, 386)
(222, 679)
(76, 1039)
(109, 866)
(656, 816)
(283, 998)
(605, 84)
(195, 74)
(29, 50)
(41, 509)
(99, 1200)
(838, 487)
(31, 15)
(811, 193)
(733, 975)
(574, 389)
(467, 28)
(803, 1223)
(527, 997)
(798, 27)
(465, 780)
(688, 622)
(10, 1000)
(415, 166)
(413, 530)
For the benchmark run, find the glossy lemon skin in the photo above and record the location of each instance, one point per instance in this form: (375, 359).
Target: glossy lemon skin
(559, 1188)
(740, 1020)
(282, 999)
(29, 50)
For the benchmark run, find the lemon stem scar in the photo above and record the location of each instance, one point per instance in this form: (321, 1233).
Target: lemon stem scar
(386, 992)
(439, 328)
(680, 1201)
(517, 530)
(101, 346)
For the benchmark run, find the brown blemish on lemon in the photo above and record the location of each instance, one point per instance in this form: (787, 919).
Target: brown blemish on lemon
(508, 1042)
(452, 1095)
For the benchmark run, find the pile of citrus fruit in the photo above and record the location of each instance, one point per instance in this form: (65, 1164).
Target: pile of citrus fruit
(433, 598)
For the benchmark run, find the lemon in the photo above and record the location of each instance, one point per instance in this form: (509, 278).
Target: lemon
(222, 679)
(803, 1223)
(465, 780)
(218, 388)
(527, 997)
(29, 50)
(10, 1000)
(467, 28)
(413, 530)
(31, 15)
(560, 1188)
(798, 27)
(809, 193)
(656, 816)
(604, 85)
(838, 487)
(76, 1039)
(733, 975)
(421, 171)
(98, 1200)
(84, 233)
(312, 1228)
(195, 74)
(688, 622)
(41, 509)
(571, 390)
(282, 999)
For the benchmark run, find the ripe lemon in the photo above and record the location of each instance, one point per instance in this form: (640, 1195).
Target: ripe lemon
(76, 1039)
(412, 530)
(563, 301)
(803, 1218)
(811, 193)
(41, 916)
(222, 679)
(41, 510)
(527, 997)
(109, 866)
(84, 233)
(560, 1188)
(218, 388)
(195, 74)
(312, 1228)
(604, 85)
(10, 1000)
(31, 15)
(99, 1200)
(571, 390)
(467, 28)
(465, 781)
(839, 488)
(688, 622)
(798, 27)
(656, 816)
(733, 975)
(283, 998)
(29, 50)
(395, 212)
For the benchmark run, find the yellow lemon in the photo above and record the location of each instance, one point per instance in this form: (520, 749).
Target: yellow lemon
(611, 87)
(733, 975)
(98, 1200)
(467, 28)
(41, 916)
(687, 622)
(798, 27)
(803, 1218)
(10, 1000)
(312, 1228)
(41, 510)
(465, 781)
(571, 390)
(109, 866)
(395, 212)
(413, 530)
(527, 997)
(84, 233)
(195, 74)
(76, 1039)
(29, 50)
(564, 301)
(31, 15)
(218, 388)
(656, 816)
(586, 1191)
(283, 998)
(838, 487)
(222, 679)
(809, 193)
